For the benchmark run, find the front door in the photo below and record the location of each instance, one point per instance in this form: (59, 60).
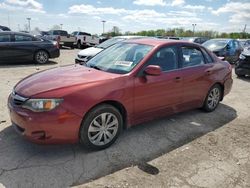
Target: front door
(158, 95)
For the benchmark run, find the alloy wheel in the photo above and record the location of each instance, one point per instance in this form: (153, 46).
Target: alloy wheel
(103, 129)
(41, 57)
(213, 98)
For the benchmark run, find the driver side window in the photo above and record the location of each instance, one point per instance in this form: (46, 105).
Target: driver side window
(166, 58)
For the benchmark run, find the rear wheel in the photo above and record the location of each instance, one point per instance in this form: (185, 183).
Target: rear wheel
(213, 98)
(41, 57)
(101, 127)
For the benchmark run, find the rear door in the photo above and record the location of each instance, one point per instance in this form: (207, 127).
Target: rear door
(158, 95)
(197, 76)
(5, 51)
(23, 47)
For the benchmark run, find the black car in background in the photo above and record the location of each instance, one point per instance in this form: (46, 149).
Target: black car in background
(230, 49)
(242, 67)
(22, 47)
(4, 28)
(198, 40)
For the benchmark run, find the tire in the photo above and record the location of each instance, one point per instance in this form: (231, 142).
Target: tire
(95, 132)
(41, 57)
(72, 47)
(79, 46)
(213, 98)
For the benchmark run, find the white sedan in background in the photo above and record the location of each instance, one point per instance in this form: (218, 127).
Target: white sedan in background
(84, 55)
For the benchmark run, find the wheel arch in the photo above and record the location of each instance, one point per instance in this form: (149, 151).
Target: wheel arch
(41, 49)
(118, 105)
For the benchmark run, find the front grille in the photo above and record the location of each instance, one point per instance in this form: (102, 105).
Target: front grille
(81, 56)
(17, 100)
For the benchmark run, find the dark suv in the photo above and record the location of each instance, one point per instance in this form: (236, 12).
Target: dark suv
(242, 66)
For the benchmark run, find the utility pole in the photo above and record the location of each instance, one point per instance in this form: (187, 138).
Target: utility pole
(61, 26)
(29, 23)
(194, 25)
(103, 23)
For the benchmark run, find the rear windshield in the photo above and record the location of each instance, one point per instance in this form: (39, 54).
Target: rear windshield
(60, 32)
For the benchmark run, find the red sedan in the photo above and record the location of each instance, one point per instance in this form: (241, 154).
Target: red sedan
(126, 84)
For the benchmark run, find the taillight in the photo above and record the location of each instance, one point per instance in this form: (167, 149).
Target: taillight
(56, 44)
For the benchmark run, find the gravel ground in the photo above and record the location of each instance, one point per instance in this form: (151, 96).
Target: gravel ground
(191, 149)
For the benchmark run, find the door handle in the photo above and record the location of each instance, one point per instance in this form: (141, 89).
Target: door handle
(208, 72)
(177, 79)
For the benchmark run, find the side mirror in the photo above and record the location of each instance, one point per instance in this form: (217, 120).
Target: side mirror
(153, 70)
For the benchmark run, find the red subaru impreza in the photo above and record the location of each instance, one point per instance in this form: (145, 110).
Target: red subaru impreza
(126, 84)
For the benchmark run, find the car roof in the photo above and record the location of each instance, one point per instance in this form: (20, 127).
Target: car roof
(158, 42)
(129, 37)
(225, 39)
(13, 32)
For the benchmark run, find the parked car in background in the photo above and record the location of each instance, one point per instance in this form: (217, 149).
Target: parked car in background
(230, 49)
(244, 42)
(199, 40)
(126, 84)
(62, 37)
(4, 28)
(242, 67)
(84, 55)
(22, 47)
(83, 39)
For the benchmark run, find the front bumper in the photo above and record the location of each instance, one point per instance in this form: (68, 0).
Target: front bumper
(80, 61)
(54, 127)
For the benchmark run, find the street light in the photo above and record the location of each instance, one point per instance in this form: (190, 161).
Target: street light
(103, 23)
(61, 26)
(194, 25)
(29, 23)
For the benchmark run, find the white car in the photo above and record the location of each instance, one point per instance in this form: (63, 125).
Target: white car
(84, 55)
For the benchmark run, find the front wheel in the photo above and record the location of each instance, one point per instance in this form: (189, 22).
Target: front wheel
(41, 57)
(101, 127)
(213, 98)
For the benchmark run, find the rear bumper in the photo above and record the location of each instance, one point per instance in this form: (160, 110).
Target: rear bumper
(54, 53)
(68, 44)
(228, 86)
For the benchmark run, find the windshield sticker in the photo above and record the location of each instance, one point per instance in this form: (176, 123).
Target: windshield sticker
(124, 63)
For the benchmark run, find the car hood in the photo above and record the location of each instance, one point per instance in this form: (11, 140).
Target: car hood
(90, 51)
(58, 78)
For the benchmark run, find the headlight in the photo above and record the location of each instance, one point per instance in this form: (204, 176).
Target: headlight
(41, 105)
(242, 56)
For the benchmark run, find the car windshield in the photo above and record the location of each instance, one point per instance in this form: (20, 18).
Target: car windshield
(120, 58)
(109, 43)
(215, 43)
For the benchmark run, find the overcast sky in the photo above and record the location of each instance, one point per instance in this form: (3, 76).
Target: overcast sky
(128, 15)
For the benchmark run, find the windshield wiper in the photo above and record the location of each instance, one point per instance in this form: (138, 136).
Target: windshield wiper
(95, 67)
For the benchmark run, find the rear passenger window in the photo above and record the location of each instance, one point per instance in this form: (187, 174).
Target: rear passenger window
(191, 57)
(4, 38)
(208, 58)
(22, 38)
